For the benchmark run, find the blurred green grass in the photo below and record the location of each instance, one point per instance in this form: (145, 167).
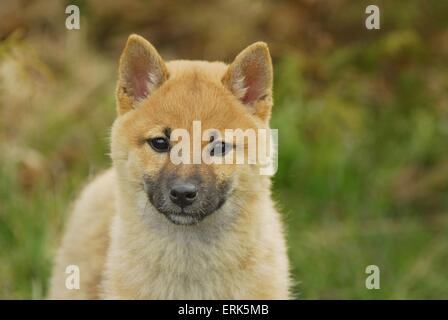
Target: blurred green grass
(362, 118)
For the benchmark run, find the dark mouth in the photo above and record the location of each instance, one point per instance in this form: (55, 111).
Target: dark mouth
(183, 218)
(186, 216)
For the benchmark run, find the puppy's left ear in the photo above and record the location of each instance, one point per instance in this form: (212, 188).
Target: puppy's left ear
(249, 78)
(141, 71)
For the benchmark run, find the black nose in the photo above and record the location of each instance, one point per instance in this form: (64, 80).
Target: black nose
(183, 194)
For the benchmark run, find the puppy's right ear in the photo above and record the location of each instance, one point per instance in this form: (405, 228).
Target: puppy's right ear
(141, 71)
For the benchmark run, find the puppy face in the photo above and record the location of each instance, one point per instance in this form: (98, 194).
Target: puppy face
(156, 101)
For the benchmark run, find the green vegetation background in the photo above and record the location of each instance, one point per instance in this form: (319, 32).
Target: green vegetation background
(362, 118)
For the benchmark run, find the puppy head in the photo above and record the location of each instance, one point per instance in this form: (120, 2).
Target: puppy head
(170, 146)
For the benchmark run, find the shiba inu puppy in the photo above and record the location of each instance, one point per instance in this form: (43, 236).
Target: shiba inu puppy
(150, 229)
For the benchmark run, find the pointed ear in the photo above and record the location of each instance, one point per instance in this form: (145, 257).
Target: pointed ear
(140, 72)
(249, 78)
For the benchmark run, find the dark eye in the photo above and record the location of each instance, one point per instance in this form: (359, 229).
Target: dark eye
(159, 144)
(220, 148)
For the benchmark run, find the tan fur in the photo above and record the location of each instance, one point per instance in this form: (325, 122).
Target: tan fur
(127, 250)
